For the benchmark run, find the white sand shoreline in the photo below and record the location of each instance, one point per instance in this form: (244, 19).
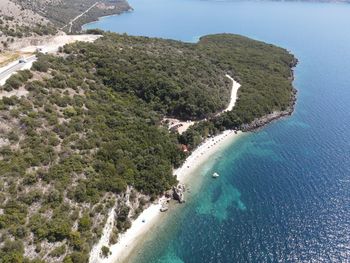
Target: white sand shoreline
(199, 156)
(147, 219)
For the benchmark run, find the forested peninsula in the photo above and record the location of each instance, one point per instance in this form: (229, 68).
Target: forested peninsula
(87, 134)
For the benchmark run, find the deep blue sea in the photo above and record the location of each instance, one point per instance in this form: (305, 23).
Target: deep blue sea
(284, 191)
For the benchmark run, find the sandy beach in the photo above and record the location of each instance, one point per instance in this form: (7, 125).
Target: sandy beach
(148, 218)
(127, 240)
(199, 156)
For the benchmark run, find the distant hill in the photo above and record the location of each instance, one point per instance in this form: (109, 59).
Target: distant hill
(23, 18)
(61, 12)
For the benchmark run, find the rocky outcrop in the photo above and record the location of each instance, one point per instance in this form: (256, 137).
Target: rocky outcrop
(178, 193)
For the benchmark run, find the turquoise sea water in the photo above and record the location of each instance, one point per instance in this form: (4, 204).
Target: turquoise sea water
(284, 192)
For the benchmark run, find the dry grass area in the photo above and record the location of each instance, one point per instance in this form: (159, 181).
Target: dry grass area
(51, 44)
(10, 56)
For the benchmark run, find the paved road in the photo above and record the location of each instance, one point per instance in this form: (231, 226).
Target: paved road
(4, 75)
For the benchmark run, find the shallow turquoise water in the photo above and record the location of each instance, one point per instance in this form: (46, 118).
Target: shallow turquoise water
(284, 192)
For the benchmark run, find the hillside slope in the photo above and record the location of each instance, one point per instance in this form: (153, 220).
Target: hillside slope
(17, 22)
(62, 12)
(32, 19)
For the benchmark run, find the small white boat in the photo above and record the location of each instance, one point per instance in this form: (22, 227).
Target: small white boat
(215, 175)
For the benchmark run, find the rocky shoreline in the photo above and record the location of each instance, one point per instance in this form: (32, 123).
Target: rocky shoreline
(263, 121)
(258, 123)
